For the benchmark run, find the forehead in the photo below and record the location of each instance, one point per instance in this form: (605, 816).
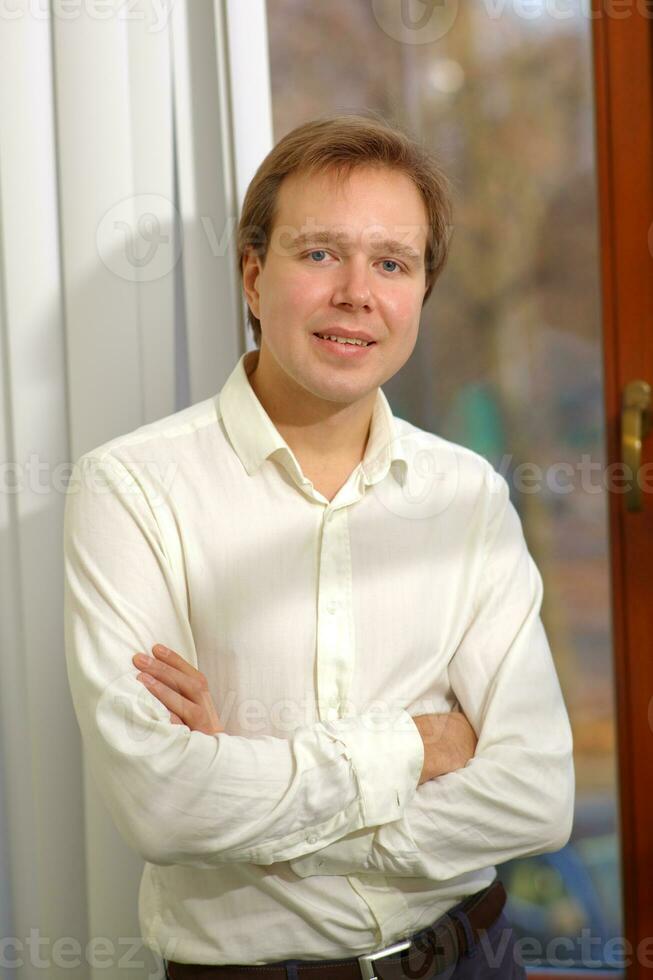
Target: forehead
(367, 201)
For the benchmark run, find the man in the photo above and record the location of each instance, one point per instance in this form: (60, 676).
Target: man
(332, 584)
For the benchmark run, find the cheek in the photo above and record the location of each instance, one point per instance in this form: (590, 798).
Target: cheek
(300, 291)
(402, 307)
(300, 294)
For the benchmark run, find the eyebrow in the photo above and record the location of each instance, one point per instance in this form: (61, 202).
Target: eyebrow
(411, 255)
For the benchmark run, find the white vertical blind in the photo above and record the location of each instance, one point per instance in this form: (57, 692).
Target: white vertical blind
(42, 816)
(246, 31)
(112, 206)
(206, 195)
(245, 28)
(126, 143)
(151, 127)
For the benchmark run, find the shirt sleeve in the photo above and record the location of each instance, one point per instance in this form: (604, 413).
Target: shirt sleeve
(515, 797)
(184, 797)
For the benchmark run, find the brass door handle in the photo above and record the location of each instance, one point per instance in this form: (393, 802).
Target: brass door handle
(635, 425)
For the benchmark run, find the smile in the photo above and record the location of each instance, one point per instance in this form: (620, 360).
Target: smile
(343, 348)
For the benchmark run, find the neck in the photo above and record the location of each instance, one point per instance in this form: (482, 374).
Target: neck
(321, 434)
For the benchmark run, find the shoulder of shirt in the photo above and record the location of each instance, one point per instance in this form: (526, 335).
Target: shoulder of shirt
(163, 435)
(470, 464)
(161, 432)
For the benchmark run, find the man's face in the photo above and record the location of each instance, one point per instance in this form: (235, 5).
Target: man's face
(349, 281)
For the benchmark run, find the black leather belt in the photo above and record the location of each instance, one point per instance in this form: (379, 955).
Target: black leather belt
(423, 955)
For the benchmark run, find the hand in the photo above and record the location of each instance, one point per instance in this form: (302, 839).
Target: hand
(449, 743)
(181, 688)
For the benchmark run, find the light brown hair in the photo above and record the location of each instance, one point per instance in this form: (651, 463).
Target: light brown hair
(338, 144)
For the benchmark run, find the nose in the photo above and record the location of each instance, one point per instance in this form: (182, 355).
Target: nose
(352, 288)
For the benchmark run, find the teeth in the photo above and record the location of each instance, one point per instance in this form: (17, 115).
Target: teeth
(344, 340)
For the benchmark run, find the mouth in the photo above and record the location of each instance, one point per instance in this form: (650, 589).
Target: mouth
(343, 348)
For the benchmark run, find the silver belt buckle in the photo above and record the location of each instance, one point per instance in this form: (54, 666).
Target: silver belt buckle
(367, 960)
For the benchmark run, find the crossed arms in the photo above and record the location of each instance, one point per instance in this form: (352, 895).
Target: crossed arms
(320, 799)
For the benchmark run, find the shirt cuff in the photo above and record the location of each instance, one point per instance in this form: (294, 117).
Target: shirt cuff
(349, 855)
(387, 754)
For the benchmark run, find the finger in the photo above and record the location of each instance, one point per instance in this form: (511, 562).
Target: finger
(168, 656)
(175, 719)
(173, 678)
(174, 701)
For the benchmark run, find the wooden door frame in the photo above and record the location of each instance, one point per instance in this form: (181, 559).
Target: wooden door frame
(623, 79)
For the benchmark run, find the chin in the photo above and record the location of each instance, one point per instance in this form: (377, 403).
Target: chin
(343, 390)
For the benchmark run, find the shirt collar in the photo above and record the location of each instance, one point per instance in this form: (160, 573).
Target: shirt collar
(255, 438)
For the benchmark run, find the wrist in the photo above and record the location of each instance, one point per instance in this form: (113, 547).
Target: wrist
(431, 728)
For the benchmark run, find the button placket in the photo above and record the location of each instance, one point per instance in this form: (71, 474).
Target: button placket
(334, 652)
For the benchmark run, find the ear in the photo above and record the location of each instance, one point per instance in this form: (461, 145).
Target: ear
(251, 272)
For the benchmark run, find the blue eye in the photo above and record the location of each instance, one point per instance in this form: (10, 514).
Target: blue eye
(323, 252)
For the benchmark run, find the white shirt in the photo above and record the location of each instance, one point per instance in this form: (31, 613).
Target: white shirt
(322, 627)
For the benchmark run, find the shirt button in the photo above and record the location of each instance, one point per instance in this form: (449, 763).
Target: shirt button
(332, 605)
(312, 839)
